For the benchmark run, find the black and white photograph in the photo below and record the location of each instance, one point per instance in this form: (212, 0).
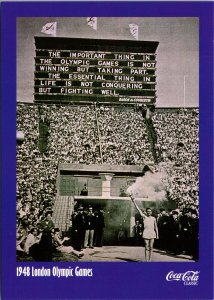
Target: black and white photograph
(107, 139)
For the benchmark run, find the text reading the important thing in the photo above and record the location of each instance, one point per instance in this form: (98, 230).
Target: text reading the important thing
(82, 75)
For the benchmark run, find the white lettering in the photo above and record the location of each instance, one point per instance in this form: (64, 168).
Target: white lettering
(87, 55)
(148, 65)
(124, 56)
(109, 63)
(83, 272)
(44, 90)
(76, 91)
(109, 93)
(86, 84)
(47, 82)
(53, 75)
(138, 71)
(45, 61)
(54, 68)
(110, 70)
(54, 53)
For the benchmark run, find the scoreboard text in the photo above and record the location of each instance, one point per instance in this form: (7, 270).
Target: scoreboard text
(74, 70)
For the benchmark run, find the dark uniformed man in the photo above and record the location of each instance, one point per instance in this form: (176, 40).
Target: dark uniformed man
(79, 229)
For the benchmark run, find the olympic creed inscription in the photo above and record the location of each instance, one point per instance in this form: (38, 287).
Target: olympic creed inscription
(74, 70)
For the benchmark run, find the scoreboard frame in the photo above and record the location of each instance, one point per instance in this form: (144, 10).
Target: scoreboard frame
(85, 70)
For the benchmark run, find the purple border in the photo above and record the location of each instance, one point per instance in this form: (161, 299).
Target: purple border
(110, 280)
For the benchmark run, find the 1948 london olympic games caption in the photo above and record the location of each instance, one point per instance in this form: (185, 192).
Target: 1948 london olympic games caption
(55, 271)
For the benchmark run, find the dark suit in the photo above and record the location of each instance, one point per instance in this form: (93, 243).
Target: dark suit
(174, 235)
(185, 222)
(194, 237)
(99, 227)
(163, 227)
(46, 240)
(79, 231)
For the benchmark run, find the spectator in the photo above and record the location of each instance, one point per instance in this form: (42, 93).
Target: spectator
(31, 239)
(47, 227)
(59, 244)
(163, 229)
(138, 233)
(194, 237)
(89, 228)
(78, 229)
(84, 191)
(174, 233)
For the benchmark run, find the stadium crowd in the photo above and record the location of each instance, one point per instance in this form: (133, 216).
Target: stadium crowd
(124, 140)
(178, 144)
(96, 135)
(74, 136)
(36, 174)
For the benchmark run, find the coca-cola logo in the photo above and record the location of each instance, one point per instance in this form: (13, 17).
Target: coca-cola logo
(188, 278)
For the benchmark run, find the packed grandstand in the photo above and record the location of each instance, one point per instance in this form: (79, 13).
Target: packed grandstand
(97, 134)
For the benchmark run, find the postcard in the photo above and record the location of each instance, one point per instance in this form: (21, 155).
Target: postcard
(107, 142)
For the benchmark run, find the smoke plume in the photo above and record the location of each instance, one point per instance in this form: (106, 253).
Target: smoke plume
(151, 186)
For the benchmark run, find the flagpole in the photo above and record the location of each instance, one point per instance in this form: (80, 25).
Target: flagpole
(55, 30)
(184, 91)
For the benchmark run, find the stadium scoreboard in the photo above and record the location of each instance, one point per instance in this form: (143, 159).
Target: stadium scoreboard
(94, 70)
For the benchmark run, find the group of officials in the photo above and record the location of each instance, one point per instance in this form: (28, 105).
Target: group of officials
(87, 228)
(176, 232)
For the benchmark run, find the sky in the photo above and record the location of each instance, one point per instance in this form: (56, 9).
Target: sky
(177, 52)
